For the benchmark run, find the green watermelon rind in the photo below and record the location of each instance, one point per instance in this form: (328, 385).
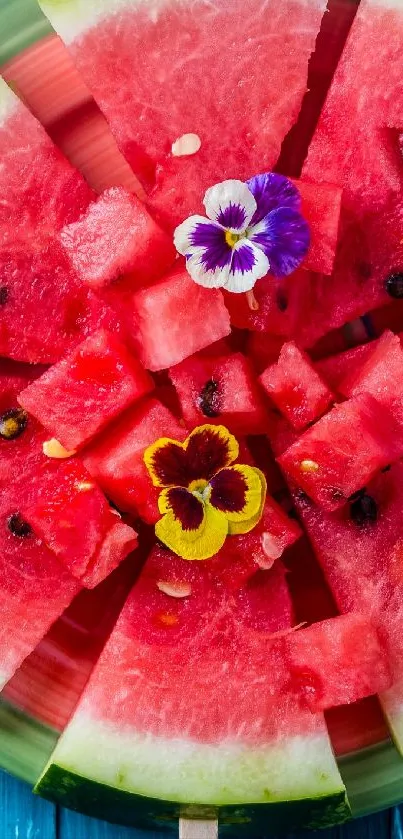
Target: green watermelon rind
(16, 37)
(72, 790)
(290, 783)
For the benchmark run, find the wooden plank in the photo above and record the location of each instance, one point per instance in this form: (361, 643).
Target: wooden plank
(198, 829)
(23, 815)
(75, 826)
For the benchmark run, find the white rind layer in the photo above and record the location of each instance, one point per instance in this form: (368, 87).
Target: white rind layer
(8, 101)
(296, 767)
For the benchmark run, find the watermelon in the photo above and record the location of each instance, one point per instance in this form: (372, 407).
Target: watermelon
(21, 436)
(320, 206)
(77, 397)
(342, 451)
(222, 389)
(189, 95)
(65, 497)
(175, 318)
(44, 309)
(381, 375)
(333, 368)
(356, 147)
(172, 732)
(296, 388)
(116, 235)
(116, 462)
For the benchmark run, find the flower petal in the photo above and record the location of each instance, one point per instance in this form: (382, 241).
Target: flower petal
(272, 191)
(235, 528)
(231, 204)
(192, 228)
(249, 263)
(166, 462)
(284, 237)
(209, 277)
(237, 492)
(208, 449)
(190, 542)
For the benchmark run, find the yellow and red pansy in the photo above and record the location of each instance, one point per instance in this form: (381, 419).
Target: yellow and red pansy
(205, 496)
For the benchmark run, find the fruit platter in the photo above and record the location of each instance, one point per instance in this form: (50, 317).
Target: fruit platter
(201, 409)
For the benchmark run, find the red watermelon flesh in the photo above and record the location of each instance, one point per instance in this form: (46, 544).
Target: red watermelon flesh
(181, 49)
(116, 235)
(295, 387)
(333, 369)
(380, 375)
(356, 146)
(341, 452)
(77, 397)
(320, 207)
(351, 646)
(35, 588)
(44, 310)
(73, 518)
(175, 318)
(21, 436)
(221, 389)
(116, 462)
(282, 305)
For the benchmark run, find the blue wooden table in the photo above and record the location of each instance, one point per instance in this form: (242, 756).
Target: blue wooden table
(25, 816)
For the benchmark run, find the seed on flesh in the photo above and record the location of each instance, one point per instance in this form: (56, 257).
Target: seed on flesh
(309, 466)
(13, 423)
(52, 448)
(209, 399)
(394, 285)
(3, 295)
(18, 527)
(364, 510)
(175, 589)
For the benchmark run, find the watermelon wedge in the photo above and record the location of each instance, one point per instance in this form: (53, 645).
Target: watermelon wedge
(44, 310)
(180, 47)
(356, 146)
(175, 732)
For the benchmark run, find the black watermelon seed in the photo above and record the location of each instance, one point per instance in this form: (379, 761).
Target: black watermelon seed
(358, 494)
(282, 301)
(3, 295)
(387, 468)
(13, 423)
(18, 527)
(209, 399)
(394, 285)
(364, 510)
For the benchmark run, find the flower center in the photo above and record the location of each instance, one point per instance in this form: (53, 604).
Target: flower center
(201, 489)
(232, 238)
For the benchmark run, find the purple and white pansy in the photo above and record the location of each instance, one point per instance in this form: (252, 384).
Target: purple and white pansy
(251, 229)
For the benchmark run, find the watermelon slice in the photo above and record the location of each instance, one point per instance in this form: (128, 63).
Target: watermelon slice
(356, 146)
(44, 310)
(222, 389)
(77, 397)
(65, 497)
(175, 318)
(296, 388)
(116, 458)
(116, 236)
(181, 47)
(321, 204)
(174, 730)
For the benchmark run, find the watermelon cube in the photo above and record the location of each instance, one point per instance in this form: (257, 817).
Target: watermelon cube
(220, 389)
(175, 318)
(381, 375)
(296, 388)
(341, 452)
(116, 235)
(338, 661)
(73, 518)
(333, 369)
(116, 459)
(321, 205)
(79, 395)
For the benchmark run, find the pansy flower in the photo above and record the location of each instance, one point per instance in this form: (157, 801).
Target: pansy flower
(205, 496)
(251, 229)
